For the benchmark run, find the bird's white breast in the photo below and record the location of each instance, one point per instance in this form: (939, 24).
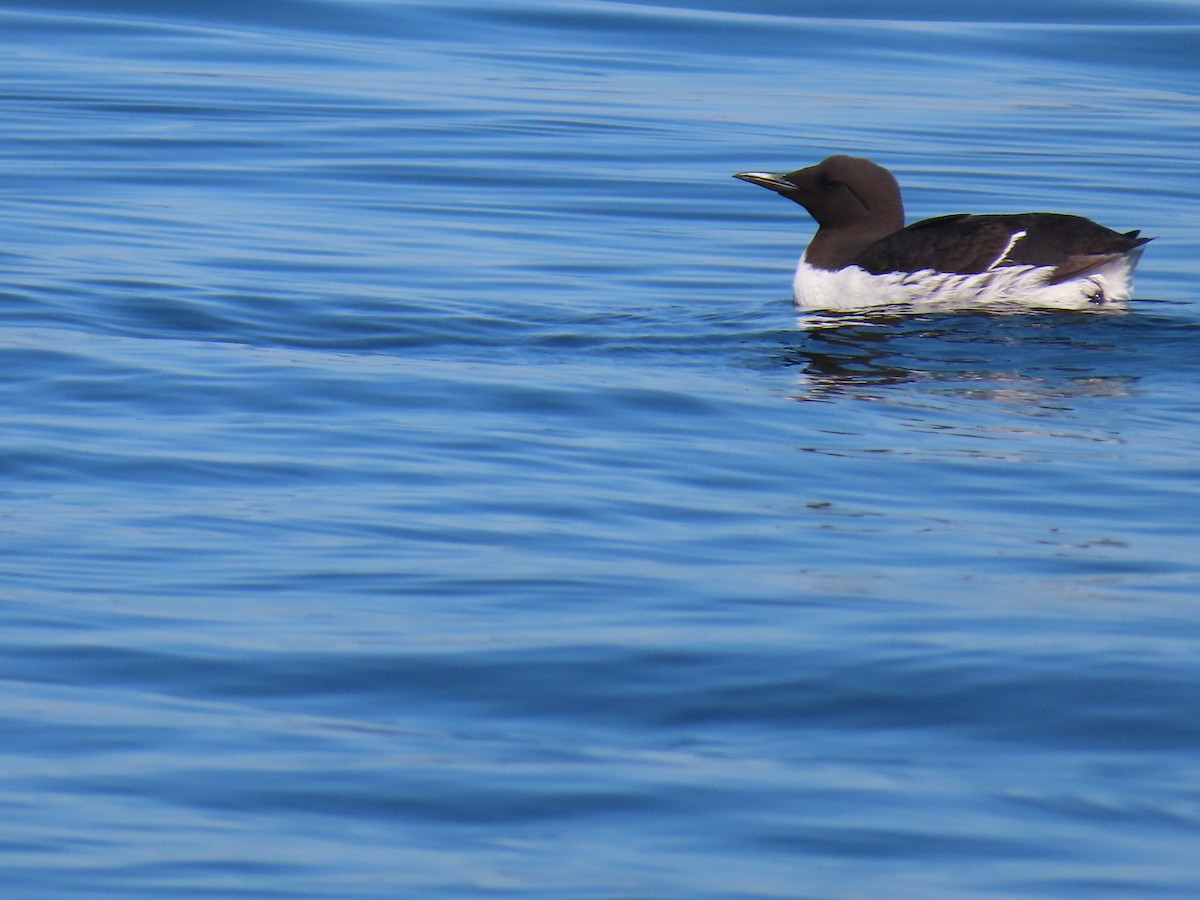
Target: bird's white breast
(1017, 286)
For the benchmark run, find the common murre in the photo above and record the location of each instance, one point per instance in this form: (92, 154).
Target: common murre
(863, 256)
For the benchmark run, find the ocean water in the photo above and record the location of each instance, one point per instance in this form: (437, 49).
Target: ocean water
(414, 481)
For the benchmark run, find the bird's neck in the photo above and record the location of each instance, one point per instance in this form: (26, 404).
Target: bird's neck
(834, 248)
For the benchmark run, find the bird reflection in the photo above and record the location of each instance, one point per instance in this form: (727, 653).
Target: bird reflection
(1030, 358)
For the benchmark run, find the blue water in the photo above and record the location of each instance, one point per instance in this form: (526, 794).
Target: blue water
(415, 482)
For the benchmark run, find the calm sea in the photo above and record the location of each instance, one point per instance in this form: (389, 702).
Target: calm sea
(414, 481)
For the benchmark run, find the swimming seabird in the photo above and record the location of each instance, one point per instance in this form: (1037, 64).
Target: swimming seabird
(863, 255)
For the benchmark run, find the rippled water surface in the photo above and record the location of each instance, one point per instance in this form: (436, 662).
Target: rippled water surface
(416, 483)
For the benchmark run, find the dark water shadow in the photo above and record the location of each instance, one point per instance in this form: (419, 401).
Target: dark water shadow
(1031, 355)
